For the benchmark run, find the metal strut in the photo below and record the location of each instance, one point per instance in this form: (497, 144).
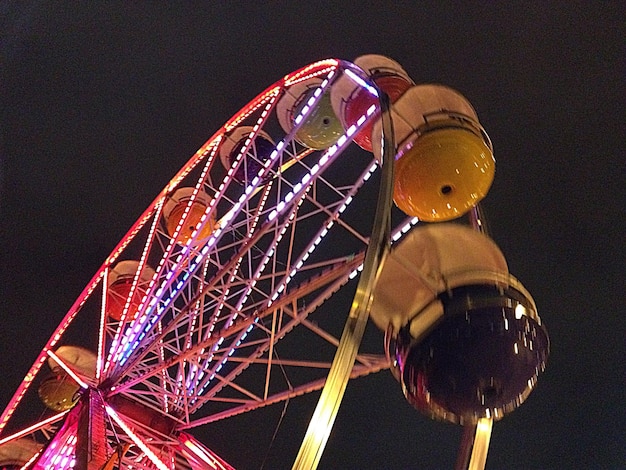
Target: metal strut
(474, 446)
(325, 413)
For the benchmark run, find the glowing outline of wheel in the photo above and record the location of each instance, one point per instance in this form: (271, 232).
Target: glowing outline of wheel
(145, 351)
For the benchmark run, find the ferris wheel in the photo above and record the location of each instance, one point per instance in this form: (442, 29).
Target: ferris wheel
(219, 299)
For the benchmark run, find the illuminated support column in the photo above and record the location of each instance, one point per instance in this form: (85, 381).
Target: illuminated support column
(474, 445)
(91, 444)
(328, 405)
(475, 441)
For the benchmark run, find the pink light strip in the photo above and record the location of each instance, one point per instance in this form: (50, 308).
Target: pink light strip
(41, 359)
(138, 323)
(132, 338)
(270, 95)
(131, 294)
(203, 453)
(312, 70)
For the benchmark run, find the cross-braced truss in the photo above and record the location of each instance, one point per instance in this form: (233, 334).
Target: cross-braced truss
(206, 334)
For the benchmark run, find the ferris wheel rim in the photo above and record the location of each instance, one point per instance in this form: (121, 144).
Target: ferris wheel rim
(211, 146)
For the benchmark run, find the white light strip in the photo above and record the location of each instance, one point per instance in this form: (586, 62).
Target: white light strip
(138, 442)
(34, 427)
(256, 276)
(69, 371)
(304, 183)
(199, 387)
(396, 235)
(30, 461)
(359, 81)
(288, 198)
(198, 452)
(324, 161)
(132, 343)
(308, 251)
(101, 332)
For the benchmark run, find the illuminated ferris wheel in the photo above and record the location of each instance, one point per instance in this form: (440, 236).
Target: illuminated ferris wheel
(216, 301)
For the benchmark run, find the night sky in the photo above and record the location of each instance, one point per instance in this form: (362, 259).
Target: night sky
(102, 102)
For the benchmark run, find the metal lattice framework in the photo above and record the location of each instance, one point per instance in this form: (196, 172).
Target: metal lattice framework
(205, 341)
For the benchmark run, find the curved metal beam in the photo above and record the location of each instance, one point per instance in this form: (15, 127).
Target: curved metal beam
(328, 405)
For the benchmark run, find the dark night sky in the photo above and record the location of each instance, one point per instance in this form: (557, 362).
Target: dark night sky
(101, 103)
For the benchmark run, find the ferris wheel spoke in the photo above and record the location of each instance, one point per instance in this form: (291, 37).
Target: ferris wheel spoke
(123, 322)
(235, 260)
(290, 198)
(228, 264)
(125, 331)
(358, 371)
(333, 278)
(262, 346)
